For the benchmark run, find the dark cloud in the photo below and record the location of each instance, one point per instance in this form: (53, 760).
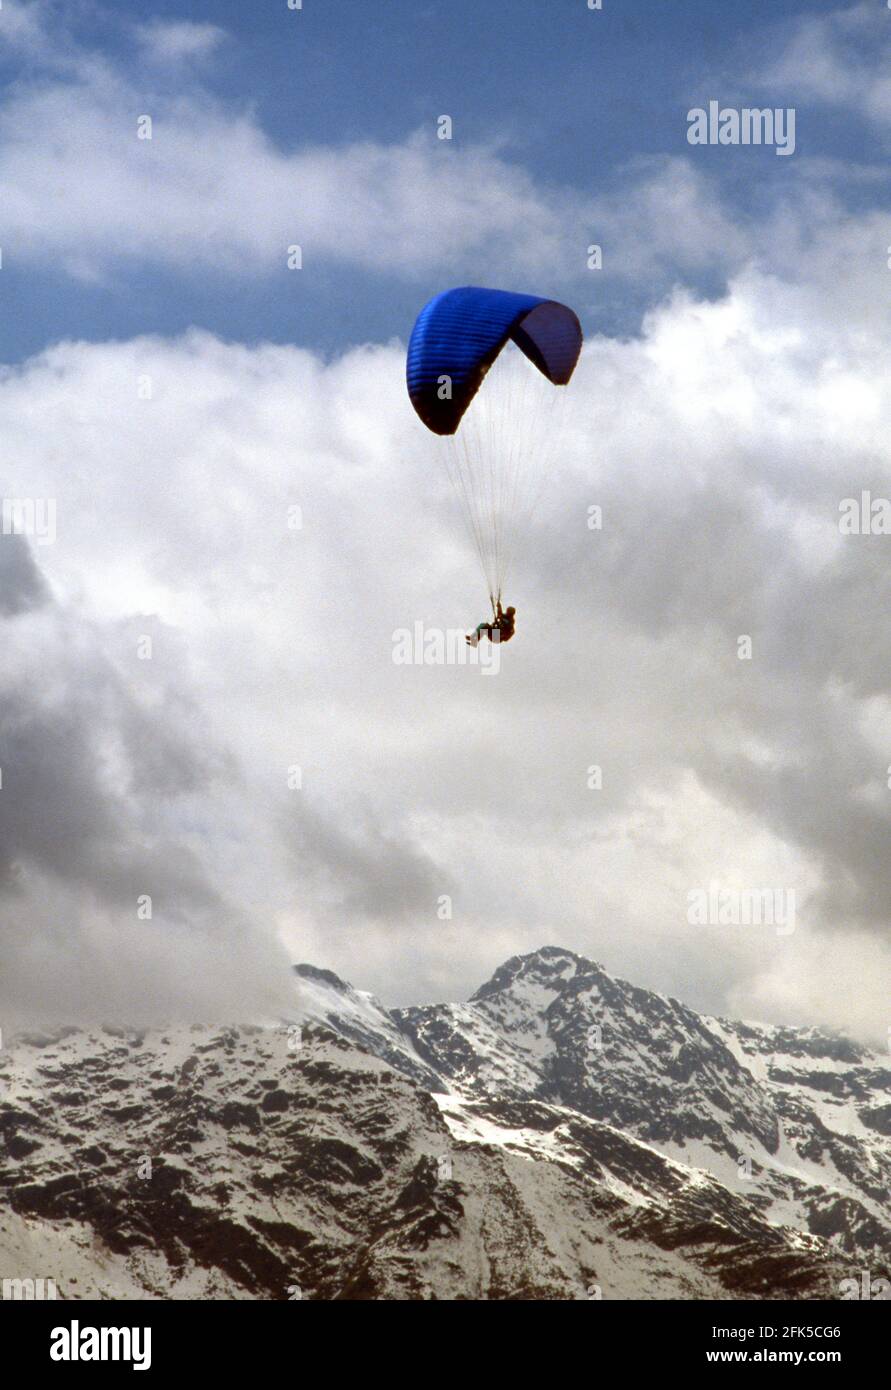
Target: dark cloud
(364, 871)
(22, 587)
(719, 462)
(93, 772)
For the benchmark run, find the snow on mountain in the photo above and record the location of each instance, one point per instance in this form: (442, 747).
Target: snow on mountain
(561, 1135)
(793, 1118)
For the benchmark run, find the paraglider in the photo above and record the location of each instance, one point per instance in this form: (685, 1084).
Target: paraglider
(501, 630)
(496, 445)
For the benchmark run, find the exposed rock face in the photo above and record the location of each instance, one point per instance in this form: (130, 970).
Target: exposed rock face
(562, 1135)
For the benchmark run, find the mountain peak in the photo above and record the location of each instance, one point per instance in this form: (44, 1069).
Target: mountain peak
(563, 1127)
(320, 976)
(550, 966)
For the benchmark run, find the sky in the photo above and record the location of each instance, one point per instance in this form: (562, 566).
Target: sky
(174, 398)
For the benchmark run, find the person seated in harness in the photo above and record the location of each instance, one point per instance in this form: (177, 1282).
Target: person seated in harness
(500, 630)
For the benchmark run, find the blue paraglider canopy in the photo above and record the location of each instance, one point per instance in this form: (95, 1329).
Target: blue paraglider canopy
(459, 334)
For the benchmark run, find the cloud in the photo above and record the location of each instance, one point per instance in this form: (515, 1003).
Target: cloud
(98, 771)
(719, 444)
(837, 59)
(212, 193)
(81, 190)
(21, 584)
(211, 190)
(172, 41)
(368, 871)
(24, 28)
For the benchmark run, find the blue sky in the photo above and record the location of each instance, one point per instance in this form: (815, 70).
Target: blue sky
(574, 99)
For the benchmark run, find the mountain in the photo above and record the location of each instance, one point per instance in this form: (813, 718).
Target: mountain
(562, 1135)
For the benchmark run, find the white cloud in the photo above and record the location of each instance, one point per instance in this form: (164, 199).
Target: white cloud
(211, 190)
(172, 41)
(719, 445)
(839, 58)
(23, 27)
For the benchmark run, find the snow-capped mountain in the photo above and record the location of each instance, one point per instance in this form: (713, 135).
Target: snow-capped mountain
(561, 1135)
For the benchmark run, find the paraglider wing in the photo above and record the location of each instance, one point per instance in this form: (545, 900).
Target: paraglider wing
(496, 450)
(459, 334)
